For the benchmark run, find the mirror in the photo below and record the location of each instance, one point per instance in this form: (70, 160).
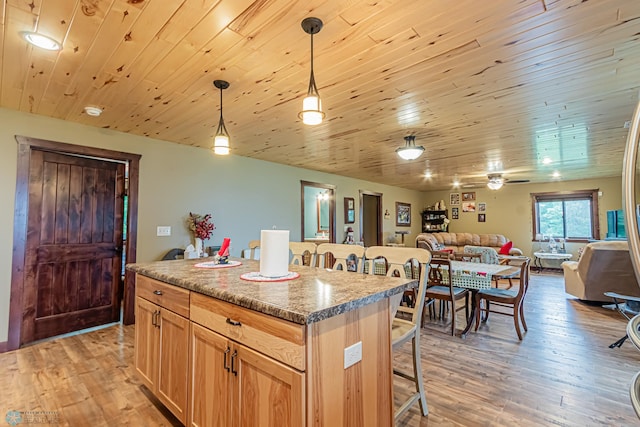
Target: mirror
(318, 212)
(323, 212)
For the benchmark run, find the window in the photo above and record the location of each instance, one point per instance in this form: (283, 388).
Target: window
(569, 214)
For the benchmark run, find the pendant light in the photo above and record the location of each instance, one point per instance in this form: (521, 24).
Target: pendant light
(410, 151)
(311, 113)
(221, 140)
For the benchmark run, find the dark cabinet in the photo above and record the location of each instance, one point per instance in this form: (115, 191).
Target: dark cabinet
(434, 220)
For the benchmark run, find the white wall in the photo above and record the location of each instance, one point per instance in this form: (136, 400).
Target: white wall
(243, 195)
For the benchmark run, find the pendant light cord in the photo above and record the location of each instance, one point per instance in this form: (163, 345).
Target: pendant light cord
(313, 90)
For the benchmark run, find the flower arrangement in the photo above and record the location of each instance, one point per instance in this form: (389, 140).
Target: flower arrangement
(200, 225)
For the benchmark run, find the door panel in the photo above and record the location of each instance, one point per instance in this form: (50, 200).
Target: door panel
(146, 343)
(266, 392)
(173, 370)
(210, 378)
(74, 241)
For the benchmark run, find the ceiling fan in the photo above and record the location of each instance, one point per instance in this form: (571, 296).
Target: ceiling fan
(495, 181)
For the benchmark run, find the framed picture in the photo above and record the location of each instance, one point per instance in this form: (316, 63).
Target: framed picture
(481, 218)
(468, 197)
(349, 210)
(468, 206)
(454, 199)
(482, 207)
(454, 213)
(403, 214)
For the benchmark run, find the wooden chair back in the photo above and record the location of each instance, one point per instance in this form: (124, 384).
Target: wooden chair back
(397, 260)
(298, 251)
(341, 253)
(467, 257)
(253, 245)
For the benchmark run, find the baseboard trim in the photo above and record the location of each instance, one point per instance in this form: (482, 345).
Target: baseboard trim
(4, 346)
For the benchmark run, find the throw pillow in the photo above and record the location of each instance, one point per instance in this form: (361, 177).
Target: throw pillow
(506, 248)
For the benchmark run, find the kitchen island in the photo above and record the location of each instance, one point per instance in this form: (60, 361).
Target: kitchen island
(221, 351)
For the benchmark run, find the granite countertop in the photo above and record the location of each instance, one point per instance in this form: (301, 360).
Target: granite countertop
(316, 295)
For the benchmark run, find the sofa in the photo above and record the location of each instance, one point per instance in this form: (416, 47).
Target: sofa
(602, 267)
(457, 241)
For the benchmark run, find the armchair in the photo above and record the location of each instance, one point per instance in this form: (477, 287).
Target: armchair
(603, 267)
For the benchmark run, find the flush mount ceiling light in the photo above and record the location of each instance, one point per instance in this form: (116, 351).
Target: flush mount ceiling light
(311, 113)
(92, 111)
(221, 140)
(410, 151)
(40, 40)
(495, 182)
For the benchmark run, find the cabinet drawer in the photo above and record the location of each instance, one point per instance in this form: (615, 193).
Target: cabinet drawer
(170, 297)
(282, 340)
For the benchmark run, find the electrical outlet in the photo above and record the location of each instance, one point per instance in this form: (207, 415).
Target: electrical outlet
(352, 354)
(163, 230)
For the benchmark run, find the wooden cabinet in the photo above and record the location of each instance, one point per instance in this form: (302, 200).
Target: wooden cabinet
(255, 361)
(162, 343)
(236, 386)
(433, 220)
(214, 363)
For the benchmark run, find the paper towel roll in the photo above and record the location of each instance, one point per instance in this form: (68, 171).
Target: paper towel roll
(274, 253)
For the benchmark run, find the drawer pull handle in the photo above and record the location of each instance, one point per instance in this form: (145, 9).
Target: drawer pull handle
(225, 358)
(233, 357)
(233, 322)
(157, 292)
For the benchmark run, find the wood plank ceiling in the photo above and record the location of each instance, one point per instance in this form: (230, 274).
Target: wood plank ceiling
(483, 85)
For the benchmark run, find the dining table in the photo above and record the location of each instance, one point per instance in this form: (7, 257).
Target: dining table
(476, 276)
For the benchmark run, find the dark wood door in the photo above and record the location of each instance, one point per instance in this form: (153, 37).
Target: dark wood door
(371, 218)
(74, 244)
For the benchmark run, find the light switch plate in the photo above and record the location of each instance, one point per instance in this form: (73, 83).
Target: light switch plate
(163, 230)
(352, 354)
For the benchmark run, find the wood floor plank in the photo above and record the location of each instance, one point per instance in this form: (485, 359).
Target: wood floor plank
(561, 374)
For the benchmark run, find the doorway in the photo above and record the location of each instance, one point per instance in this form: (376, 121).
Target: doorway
(68, 233)
(371, 218)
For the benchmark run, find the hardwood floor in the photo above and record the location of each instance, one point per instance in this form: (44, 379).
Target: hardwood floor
(562, 373)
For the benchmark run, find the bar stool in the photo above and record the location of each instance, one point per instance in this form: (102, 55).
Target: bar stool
(406, 330)
(342, 254)
(298, 250)
(253, 245)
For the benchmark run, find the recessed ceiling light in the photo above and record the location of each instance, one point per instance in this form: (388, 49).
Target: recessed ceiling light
(40, 40)
(427, 175)
(556, 174)
(92, 111)
(546, 161)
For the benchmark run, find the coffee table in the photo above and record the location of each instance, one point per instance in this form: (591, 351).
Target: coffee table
(539, 256)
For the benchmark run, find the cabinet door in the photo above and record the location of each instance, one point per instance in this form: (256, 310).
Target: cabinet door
(173, 363)
(266, 392)
(210, 380)
(146, 343)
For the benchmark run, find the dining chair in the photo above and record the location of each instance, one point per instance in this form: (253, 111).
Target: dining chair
(298, 251)
(467, 257)
(346, 257)
(442, 254)
(253, 245)
(488, 255)
(440, 287)
(507, 299)
(404, 330)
